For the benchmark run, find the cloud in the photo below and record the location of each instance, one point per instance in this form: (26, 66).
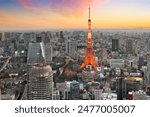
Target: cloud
(74, 5)
(26, 3)
(64, 7)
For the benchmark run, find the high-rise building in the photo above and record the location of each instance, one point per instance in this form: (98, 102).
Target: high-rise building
(148, 45)
(115, 44)
(1, 51)
(48, 36)
(39, 53)
(0, 93)
(68, 46)
(75, 90)
(89, 59)
(61, 37)
(104, 55)
(36, 53)
(141, 61)
(21, 50)
(144, 73)
(43, 36)
(148, 72)
(40, 75)
(61, 34)
(97, 94)
(38, 39)
(7, 35)
(49, 53)
(120, 88)
(129, 46)
(71, 48)
(40, 83)
(1, 36)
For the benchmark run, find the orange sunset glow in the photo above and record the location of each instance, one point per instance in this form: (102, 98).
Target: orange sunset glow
(73, 14)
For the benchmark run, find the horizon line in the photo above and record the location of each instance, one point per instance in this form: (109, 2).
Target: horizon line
(4, 29)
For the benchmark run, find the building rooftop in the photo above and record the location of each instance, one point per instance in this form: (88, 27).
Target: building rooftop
(36, 53)
(134, 78)
(41, 71)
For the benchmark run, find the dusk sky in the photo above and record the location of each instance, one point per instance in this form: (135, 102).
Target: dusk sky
(74, 13)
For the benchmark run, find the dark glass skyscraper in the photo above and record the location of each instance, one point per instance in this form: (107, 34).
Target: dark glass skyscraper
(115, 44)
(120, 88)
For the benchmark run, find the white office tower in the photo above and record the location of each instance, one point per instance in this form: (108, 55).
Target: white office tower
(2, 36)
(49, 53)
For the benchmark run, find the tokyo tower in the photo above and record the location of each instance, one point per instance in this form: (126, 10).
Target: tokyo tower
(89, 59)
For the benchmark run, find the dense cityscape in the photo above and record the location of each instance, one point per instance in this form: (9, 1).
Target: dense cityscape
(85, 64)
(46, 65)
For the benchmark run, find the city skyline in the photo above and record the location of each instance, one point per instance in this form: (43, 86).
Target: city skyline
(27, 14)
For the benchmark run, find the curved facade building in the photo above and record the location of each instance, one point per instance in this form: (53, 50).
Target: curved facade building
(40, 86)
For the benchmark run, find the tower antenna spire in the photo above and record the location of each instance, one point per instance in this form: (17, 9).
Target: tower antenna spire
(90, 1)
(89, 12)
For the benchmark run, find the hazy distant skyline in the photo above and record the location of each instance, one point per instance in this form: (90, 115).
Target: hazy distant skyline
(74, 13)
